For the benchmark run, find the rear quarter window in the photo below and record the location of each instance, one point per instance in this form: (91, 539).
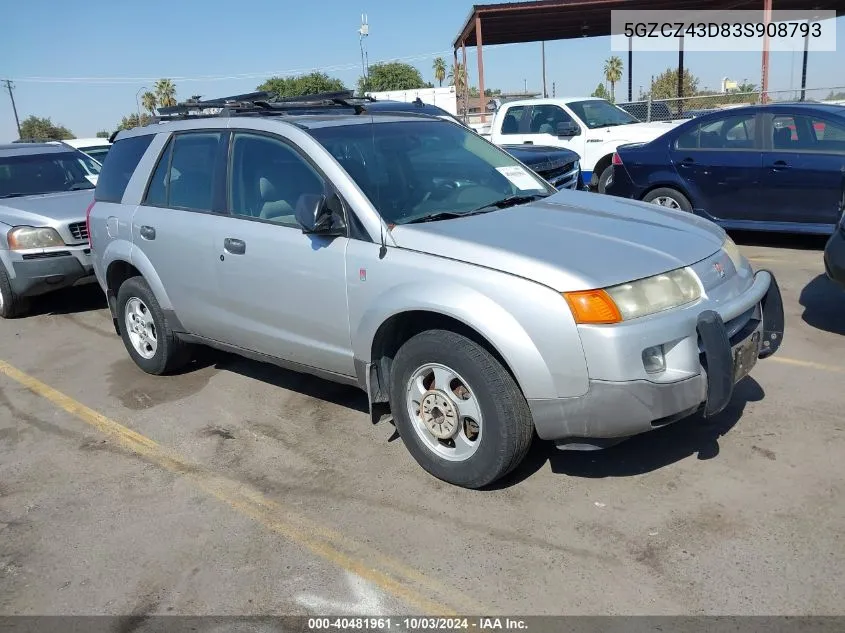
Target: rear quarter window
(120, 164)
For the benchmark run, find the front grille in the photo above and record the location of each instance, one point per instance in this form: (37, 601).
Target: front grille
(564, 177)
(79, 231)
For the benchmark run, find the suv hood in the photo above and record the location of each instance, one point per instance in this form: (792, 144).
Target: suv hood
(572, 240)
(46, 209)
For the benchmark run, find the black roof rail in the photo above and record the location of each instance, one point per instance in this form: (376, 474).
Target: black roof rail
(263, 102)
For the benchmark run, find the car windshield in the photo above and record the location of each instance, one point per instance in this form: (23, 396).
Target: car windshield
(599, 113)
(29, 174)
(98, 153)
(413, 171)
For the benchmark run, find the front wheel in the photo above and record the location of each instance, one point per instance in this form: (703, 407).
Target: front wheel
(458, 410)
(11, 305)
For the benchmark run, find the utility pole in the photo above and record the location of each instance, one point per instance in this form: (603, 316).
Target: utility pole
(363, 32)
(543, 52)
(10, 87)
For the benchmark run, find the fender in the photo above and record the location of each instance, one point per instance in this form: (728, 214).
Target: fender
(140, 261)
(474, 309)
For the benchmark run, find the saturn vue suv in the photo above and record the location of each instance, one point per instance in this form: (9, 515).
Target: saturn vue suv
(475, 305)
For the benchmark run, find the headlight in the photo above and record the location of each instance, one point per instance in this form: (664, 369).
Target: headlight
(732, 251)
(22, 237)
(635, 299)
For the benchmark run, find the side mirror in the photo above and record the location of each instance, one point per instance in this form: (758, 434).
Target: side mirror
(568, 128)
(320, 215)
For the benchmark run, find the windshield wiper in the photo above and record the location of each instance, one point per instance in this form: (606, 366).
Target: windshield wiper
(78, 186)
(442, 215)
(510, 201)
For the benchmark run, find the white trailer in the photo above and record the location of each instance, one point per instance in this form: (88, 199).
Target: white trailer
(444, 97)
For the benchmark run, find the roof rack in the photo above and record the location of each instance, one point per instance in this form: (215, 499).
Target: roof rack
(262, 103)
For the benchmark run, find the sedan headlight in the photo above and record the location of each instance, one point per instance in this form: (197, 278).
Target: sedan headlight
(732, 251)
(635, 299)
(23, 237)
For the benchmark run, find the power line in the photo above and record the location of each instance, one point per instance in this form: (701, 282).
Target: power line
(252, 75)
(10, 87)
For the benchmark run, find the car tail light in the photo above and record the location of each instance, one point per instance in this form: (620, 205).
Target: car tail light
(88, 221)
(616, 160)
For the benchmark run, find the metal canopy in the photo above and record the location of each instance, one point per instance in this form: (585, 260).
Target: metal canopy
(545, 20)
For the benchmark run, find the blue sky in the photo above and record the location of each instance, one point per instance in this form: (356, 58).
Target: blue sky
(84, 42)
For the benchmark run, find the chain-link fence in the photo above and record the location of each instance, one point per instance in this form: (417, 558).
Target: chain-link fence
(689, 107)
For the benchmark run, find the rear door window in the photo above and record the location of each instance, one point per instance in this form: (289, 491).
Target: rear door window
(124, 157)
(184, 176)
(728, 133)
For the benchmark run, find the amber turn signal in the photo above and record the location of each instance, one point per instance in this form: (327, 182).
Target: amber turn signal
(592, 306)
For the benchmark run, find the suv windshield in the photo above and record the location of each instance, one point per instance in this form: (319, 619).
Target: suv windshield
(30, 174)
(599, 113)
(414, 170)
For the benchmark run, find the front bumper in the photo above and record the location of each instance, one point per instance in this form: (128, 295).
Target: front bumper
(724, 345)
(834, 257)
(40, 271)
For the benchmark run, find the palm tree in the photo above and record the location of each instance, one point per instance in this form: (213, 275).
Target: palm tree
(613, 73)
(148, 100)
(165, 92)
(439, 70)
(458, 78)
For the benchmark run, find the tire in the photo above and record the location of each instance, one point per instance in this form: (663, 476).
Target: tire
(681, 202)
(11, 305)
(169, 353)
(505, 428)
(603, 178)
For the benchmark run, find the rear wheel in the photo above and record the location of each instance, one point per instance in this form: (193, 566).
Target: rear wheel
(669, 198)
(11, 305)
(458, 410)
(151, 343)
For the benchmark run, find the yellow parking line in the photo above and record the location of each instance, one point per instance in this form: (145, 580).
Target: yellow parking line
(392, 576)
(806, 363)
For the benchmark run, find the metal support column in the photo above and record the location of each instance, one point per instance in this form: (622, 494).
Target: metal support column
(764, 74)
(480, 67)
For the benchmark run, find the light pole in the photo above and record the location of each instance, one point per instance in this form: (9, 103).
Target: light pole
(138, 103)
(363, 32)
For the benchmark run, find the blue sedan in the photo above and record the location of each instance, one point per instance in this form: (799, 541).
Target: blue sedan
(777, 167)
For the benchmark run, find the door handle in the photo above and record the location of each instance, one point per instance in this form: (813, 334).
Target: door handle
(147, 232)
(528, 142)
(779, 165)
(234, 246)
(687, 162)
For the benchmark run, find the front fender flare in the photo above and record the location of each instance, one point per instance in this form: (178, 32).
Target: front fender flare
(472, 308)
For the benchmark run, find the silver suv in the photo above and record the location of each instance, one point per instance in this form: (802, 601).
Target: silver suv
(414, 259)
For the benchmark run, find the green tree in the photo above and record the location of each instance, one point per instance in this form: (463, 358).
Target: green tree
(165, 93)
(309, 84)
(439, 70)
(601, 92)
(613, 73)
(103, 134)
(132, 121)
(835, 96)
(149, 101)
(746, 87)
(38, 128)
(391, 76)
(665, 85)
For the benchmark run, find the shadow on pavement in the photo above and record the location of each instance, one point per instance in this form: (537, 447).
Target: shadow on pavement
(824, 305)
(780, 240)
(68, 301)
(642, 453)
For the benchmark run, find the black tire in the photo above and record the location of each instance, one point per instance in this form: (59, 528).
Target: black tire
(667, 192)
(604, 176)
(171, 353)
(11, 305)
(507, 424)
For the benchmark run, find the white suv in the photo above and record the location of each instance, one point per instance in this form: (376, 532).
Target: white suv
(593, 128)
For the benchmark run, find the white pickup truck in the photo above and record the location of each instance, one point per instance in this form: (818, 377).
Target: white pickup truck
(593, 128)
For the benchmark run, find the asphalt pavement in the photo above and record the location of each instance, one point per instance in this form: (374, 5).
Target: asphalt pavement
(239, 488)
